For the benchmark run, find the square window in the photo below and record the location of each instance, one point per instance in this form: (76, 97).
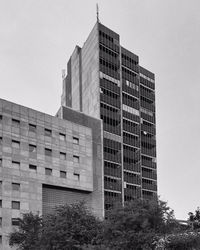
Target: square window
(15, 222)
(16, 205)
(62, 137)
(0, 203)
(48, 152)
(47, 132)
(33, 167)
(15, 164)
(77, 176)
(32, 128)
(76, 158)
(15, 122)
(48, 171)
(15, 186)
(32, 148)
(15, 144)
(63, 174)
(75, 140)
(62, 156)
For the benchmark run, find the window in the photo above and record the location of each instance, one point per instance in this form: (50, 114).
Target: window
(0, 239)
(0, 185)
(62, 156)
(15, 122)
(32, 148)
(75, 140)
(1, 140)
(48, 152)
(47, 132)
(62, 137)
(16, 205)
(76, 158)
(15, 222)
(15, 164)
(0, 162)
(63, 174)
(32, 128)
(1, 118)
(15, 186)
(77, 176)
(33, 167)
(15, 144)
(48, 171)
(0, 221)
(0, 203)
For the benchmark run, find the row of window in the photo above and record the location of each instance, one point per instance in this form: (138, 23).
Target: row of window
(109, 78)
(108, 64)
(147, 112)
(47, 132)
(127, 58)
(132, 85)
(147, 78)
(131, 110)
(108, 51)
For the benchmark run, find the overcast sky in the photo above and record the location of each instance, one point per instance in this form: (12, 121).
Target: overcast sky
(38, 36)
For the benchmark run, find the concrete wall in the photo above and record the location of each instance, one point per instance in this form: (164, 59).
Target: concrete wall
(15, 153)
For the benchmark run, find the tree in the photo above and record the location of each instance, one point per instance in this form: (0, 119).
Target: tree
(135, 225)
(27, 235)
(194, 219)
(69, 227)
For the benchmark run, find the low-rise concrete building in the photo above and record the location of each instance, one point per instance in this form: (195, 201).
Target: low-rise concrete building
(46, 161)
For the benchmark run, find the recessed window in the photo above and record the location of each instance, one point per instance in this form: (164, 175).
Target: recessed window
(1, 117)
(47, 132)
(15, 164)
(33, 167)
(1, 140)
(0, 185)
(15, 144)
(62, 156)
(32, 127)
(0, 239)
(16, 205)
(48, 171)
(15, 186)
(0, 203)
(15, 122)
(48, 152)
(75, 140)
(62, 137)
(0, 162)
(15, 222)
(0, 221)
(63, 174)
(32, 148)
(76, 158)
(77, 176)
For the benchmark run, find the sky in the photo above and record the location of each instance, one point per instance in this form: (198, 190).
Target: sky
(37, 38)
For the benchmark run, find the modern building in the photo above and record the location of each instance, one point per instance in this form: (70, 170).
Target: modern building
(106, 81)
(47, 161)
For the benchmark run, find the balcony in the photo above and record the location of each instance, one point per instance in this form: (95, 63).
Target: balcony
(131, 142)
(112, 157)
(111, 114)
(112, 184)
(150, 129)
(147, 83)
(132, 193)
(132, 167)
(149, 186)
(148, 195)
(109, 100)
(148, 117)
(149, 164)
(112, 129)
(129, 90)
(104, 83)
(149, 140)
(150, 152)
(134, 129)
(148, 106)
(147, 94)
(149, 174)
(132, 178)
(130, 116)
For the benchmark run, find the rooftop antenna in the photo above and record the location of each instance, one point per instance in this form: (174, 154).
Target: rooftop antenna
(97, 8)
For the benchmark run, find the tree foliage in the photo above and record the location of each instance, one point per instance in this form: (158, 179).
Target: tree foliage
(27, 235)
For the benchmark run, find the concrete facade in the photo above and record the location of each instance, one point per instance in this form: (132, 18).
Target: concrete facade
(47, 161)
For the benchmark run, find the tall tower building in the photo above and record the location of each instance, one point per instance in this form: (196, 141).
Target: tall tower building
(106, 81)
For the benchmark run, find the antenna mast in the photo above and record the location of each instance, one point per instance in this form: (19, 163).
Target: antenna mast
(97, 9)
